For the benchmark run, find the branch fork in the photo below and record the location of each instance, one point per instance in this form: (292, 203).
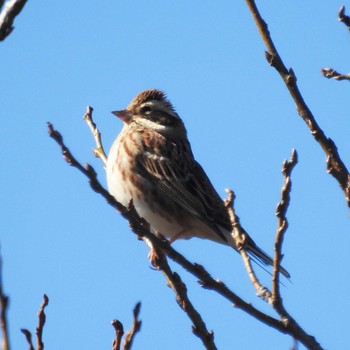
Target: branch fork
(141, 228)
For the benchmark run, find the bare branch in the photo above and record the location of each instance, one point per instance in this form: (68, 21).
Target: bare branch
(137, 224)
(4, 303)
(281, 211)
(8, 13)
(342, 17)
(98, 150)
(140, 227)
(175, 282)
(88, 171)
(331, 73)
(42, 319)
(261, 291)
(39, 328)
(28, 336)
(335, 165)
(119, 332)
(135, 328)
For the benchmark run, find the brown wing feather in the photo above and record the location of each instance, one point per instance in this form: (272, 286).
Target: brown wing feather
(186, 184)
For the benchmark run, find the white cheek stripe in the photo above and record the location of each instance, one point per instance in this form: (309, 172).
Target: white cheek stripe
(152, 125)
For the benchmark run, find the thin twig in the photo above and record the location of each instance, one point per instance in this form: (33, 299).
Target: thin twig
(98, 150)
(335, 165)
(28, 337)
(342, 17)
(136, 326)
(42, 319)
(331, 73)
(4, 303)
(8, 14)
(39, 328)
(140, 227)
(240, 233)
(119, 332)
(281, 211)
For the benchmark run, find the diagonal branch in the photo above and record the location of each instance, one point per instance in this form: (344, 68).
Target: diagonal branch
(174, 281)
(140, 227)
(335, 165)
(7, 16)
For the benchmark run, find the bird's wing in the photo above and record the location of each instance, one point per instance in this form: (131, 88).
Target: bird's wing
(172, 168)
(174, 172)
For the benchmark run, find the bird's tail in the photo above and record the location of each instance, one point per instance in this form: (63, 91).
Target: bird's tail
(261, 257)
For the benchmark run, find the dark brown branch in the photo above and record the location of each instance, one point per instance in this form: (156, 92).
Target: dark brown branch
(8, 14)
(281, 211)
(140, 227)
(119, 332)
(4, 303)
(28, 336)
(42, 319)
(39, 328)
(342, 17)
(128, 340)
(175, 282)
(335, 165)
(331, 73)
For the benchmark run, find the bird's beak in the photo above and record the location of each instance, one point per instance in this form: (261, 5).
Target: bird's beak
(124, 115)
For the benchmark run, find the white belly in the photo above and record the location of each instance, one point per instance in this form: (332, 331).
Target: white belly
(163, 214)
(119, 187)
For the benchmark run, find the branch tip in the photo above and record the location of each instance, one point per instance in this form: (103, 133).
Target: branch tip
(342, 17)
(118, 326)
(330, 73)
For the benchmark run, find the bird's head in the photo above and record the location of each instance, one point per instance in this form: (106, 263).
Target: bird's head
(151, 109)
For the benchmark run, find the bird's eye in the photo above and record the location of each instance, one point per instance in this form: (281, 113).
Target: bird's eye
(146, 110)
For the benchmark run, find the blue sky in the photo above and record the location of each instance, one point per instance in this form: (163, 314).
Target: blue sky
(58, 237)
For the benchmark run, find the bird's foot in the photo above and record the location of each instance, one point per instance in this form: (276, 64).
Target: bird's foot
(155, 256)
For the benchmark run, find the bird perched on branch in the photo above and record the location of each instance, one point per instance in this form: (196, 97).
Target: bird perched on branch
(151, 162)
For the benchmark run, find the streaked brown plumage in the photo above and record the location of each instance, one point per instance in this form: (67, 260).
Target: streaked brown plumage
(152, 163)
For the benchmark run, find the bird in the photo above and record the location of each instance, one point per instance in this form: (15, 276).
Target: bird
(151, 163)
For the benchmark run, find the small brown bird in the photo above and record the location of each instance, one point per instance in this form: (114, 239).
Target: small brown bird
(151, 162)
